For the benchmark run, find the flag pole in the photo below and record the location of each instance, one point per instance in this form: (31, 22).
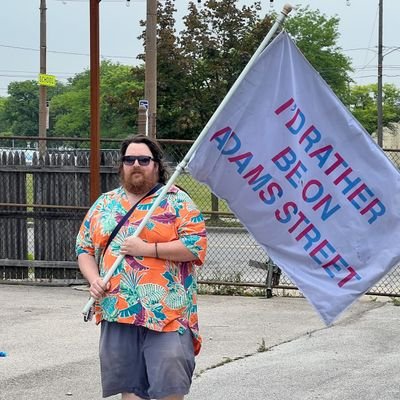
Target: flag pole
(287, 8)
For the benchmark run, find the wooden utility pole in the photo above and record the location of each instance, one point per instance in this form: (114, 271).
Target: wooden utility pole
(380, 75)
(42, 88)
(151, 65)
(94, 101)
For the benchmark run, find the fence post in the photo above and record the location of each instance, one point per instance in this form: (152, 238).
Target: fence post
(214, 207)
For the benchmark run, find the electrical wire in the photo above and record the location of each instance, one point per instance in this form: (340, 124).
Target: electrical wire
(372, 31)
(360, 48)
(63, 52)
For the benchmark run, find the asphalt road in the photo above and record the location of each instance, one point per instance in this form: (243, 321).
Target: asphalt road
(253, 348)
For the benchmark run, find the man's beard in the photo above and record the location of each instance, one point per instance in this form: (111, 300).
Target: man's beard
(136, 182)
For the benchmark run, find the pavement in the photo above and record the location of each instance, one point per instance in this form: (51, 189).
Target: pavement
(254, 348)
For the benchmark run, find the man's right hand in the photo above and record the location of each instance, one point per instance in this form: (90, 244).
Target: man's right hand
(98, 288)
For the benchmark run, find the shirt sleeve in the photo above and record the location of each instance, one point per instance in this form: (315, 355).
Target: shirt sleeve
(191, 226)
(84, 240)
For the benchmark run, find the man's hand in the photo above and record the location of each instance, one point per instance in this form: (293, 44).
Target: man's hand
(98, 289)
(134, 246)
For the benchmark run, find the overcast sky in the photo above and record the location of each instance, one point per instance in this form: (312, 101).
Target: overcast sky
(68, 35)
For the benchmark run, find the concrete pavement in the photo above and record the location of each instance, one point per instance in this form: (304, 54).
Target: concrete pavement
(254, 348)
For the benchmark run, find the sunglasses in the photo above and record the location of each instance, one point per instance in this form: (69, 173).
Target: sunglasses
(142, 160)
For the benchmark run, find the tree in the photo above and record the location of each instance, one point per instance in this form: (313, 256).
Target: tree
(363, 105)
(71, 110)
(121, 87)
(21, 107)
(170, 72)
(203, 62)
(21, 110)
(316, 36)
(3, 122)
(200, 64)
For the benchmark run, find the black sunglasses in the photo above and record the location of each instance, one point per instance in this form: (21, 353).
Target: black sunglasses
(142, 160)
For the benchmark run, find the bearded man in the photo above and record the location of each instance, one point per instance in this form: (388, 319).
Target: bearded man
(148, 309)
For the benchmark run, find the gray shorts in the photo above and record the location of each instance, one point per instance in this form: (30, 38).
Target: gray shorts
(150, 364)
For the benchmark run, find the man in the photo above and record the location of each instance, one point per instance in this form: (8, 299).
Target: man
(148, 309)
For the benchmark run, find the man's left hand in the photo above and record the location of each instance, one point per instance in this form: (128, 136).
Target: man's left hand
(134, 246)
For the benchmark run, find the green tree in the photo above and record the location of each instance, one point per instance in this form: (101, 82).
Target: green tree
(121, 87)
(316, 35)
(198, 66)
(3, 123)
(203, 61)
(170, 70)
(363, 105)
(70, 110)
(21, 107)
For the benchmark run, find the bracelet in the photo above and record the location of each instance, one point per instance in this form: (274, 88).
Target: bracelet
(155, 245)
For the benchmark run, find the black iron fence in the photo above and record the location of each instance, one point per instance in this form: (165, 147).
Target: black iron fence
(43, 200)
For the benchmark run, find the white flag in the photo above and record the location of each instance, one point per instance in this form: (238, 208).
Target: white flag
(305, 179)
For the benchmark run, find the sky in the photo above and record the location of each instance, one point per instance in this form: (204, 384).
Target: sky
(68, 38)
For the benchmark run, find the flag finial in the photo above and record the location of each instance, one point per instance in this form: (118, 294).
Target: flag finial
(287, 8)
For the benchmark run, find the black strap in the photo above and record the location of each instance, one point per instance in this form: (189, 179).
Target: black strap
(128, 214)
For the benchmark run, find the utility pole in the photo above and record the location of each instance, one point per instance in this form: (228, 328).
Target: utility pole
(380, 69)
(42, 88)
(94, 101)
(151, 66)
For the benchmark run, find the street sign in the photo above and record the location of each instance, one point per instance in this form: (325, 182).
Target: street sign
(47, 80)
(144, 103)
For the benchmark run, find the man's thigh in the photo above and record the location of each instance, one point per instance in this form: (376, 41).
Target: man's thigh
(170, 364)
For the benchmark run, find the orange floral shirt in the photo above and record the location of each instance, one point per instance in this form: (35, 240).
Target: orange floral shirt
(158, 294)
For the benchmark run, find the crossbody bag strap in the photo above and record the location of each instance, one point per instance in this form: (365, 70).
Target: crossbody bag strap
(128, 214)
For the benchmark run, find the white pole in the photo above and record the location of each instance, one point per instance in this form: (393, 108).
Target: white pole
(147, 121)
(181, 166)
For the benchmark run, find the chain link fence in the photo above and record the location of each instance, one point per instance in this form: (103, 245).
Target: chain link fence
(43, 200)
(394, 156)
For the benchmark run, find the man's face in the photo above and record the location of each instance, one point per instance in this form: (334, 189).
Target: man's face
(139, 179)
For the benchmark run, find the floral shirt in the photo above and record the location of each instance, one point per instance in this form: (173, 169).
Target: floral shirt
(145, 291)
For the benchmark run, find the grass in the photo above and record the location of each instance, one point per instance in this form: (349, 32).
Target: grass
(200, 194)
(29, 188)
(396, 301)
(262, 348)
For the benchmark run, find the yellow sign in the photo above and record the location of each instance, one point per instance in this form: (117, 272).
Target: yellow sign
(47, 80)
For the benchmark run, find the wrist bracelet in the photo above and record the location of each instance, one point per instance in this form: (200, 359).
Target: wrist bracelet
(155, 245)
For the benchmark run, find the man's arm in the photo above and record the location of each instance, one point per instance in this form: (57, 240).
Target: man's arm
(190, 225)
(90, 271)
(174, 250)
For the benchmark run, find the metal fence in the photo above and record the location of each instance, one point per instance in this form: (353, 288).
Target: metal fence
(43, 201)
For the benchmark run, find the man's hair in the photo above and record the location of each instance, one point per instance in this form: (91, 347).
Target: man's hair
(156, 151)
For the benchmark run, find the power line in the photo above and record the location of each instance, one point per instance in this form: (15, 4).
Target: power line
(31, 76)
(372, 32)
(374, 76)
(62, 52)
(361, 48)
(32, 72)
